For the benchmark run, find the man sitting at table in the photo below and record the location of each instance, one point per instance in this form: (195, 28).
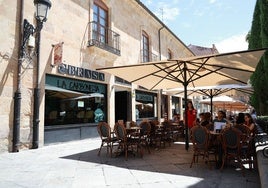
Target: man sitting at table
(219, 121)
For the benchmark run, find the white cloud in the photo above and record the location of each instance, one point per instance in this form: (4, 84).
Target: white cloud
(163, 10)
(233, 43)
(167, 11)
(212, 1)
(147, 2)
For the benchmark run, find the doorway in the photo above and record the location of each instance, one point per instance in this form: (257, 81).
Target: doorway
(123, 106)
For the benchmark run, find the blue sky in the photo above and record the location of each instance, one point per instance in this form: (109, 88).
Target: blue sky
(224, 23)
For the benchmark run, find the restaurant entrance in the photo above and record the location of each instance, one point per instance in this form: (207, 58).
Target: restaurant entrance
(123, 106)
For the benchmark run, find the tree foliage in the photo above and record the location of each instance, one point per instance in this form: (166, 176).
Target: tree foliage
(258, 38)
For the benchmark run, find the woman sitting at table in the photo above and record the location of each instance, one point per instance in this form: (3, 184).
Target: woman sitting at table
(249, 122)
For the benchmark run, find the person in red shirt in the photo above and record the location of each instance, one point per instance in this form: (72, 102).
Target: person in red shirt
(191, 114)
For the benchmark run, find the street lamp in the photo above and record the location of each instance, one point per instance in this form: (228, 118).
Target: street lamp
(42, 7)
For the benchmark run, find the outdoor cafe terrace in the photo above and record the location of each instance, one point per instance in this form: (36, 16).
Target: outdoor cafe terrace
(77, 164)
(140, 144)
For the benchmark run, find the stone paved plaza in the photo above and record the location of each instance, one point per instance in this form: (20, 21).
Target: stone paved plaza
(76, 165)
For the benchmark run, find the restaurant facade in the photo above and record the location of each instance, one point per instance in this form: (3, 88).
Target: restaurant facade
(77, 38)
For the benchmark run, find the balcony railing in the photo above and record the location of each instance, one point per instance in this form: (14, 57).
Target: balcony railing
(147, 56)
(104, 38)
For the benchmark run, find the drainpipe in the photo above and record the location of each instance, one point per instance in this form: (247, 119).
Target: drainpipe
(17, 95)
(159, 42)
(161, 90)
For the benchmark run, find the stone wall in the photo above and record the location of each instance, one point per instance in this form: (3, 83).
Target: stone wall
(68, 22)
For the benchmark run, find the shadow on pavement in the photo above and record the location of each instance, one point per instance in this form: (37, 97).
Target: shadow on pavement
(173, 160)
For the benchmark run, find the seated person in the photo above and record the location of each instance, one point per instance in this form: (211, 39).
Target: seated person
(240, 119)
(219, 120)
(249, 122)
(203, 120)
(176, 118)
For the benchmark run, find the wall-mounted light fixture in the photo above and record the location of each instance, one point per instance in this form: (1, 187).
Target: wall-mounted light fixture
(42, 7)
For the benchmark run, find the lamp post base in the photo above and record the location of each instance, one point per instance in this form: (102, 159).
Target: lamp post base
(16, 123)
(36, 120)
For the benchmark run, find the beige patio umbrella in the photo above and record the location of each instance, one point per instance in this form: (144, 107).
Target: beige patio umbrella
(213, 91)
(216, 69)
(227, 103)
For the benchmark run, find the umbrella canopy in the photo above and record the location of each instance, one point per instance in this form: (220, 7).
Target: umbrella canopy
(212, 91)
(226, 103)
(216, 69)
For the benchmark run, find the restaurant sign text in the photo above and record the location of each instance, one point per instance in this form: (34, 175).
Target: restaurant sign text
(80, 72)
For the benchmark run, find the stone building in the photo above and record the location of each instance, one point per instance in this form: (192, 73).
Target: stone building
(201, 50)
(78, 37)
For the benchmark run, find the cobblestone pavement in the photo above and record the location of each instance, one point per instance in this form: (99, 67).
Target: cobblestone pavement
(76, 165)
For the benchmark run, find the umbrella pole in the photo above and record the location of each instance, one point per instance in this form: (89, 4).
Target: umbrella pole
(185, 108)
(186, 118)
(211, 108)
(211, 104)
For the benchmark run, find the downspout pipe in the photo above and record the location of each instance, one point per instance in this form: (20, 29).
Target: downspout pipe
(160, 92)
(159, 41)
(17, 95)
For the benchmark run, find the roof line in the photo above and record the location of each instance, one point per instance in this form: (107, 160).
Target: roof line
(228, 53)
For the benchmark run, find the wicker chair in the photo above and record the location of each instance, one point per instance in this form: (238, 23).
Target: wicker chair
(154, 138)
(145, 134)
(127, 143)
(165, 133)
(104, 131)
(200, 140)
(231, 144)
(248, 152)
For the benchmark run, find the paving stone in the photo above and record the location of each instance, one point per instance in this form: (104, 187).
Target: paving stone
(76, 164)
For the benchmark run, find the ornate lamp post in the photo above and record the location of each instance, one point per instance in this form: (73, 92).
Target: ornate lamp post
(42, 7)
